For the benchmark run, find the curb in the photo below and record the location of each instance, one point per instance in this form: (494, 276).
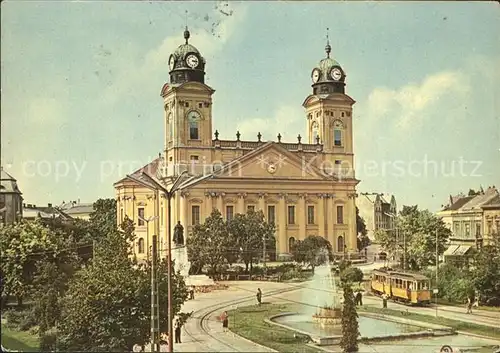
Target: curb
(465, 333)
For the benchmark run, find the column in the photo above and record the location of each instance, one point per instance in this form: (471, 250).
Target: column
(207, 206)
(302, 216)
(220, 202)
(321, 217)
(183, 205)
(282, 240)
(262, 203)
(240, 207)
(352, 243)
(331, 222)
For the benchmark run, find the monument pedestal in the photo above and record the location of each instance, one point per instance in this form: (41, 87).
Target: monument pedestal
(182, 264)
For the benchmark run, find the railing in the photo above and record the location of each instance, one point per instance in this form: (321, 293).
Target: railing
(250, 145)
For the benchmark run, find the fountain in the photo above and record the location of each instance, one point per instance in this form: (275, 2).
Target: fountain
(320, 318)
(330, 311)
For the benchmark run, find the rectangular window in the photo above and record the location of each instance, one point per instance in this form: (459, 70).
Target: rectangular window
(467, 230)
(337, 134)
(478, 229)
(200, 105)
(161, 215)
(497, 225)
(250, 208)
(229, 213)
(291, 214)
(338, 162)
(456, 228)
(193, 131)
(121, 215)
(194, 158)
(195, 215)
(271, 215)
(310, 214)
(140, 216)
(340, 214)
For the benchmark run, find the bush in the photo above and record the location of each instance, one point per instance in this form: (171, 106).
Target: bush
(21, 320)
(351, 275)
(48, 341)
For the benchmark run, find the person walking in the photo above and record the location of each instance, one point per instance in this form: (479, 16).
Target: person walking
(259, 296)
(360, 298)
(469, 305)
(384, 301)
(177, 327)
(191, 293)
(225, 321)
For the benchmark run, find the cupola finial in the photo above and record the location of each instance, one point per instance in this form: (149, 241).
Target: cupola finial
(186, 32)
(328, 48)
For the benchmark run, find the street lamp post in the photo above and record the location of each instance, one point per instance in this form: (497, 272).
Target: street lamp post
(168, 194)
(437, 267)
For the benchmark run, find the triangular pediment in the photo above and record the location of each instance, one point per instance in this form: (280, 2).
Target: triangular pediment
(186, 86)
(332, 97)
(272, 161)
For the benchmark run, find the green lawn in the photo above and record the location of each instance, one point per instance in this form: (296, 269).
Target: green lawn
(19, 340)
(455, 324)
(249, 322)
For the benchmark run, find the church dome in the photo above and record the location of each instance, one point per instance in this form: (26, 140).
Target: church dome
(186, 63)
(328, 76)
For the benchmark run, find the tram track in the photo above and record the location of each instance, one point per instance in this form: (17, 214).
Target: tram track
(203, 320)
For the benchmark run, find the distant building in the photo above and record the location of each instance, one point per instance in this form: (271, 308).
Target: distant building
(76, 209)
(377, 210)
(491, 219)
(46, 213)
(466, 218)
(11, 201)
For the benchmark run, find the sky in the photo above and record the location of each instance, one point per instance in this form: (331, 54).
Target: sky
(81, 82)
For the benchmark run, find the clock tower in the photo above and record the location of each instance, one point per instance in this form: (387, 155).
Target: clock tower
(188, 110)
(329, 110)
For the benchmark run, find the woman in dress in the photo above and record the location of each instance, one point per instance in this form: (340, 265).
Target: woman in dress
(225, 321)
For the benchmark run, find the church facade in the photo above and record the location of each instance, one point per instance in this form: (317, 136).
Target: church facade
(305, 187)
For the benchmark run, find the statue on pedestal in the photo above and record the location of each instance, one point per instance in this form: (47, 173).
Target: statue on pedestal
(179, 234)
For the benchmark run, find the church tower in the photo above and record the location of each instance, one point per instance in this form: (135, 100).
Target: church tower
(188, 111)
(329, 111)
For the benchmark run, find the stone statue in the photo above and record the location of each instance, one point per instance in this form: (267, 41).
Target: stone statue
(179, 234)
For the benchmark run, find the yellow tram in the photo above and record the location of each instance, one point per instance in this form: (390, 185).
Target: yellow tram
(405, 287)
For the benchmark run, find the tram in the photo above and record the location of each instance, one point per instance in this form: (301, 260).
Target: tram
(408, 288)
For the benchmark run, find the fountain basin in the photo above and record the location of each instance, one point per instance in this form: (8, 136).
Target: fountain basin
(371, 327)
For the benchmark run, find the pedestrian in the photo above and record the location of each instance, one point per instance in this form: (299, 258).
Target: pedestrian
(177, 327)
(360, 298)
(469, 305)
(384, 301)
(191, 293)
(225, 321)
(259, 296)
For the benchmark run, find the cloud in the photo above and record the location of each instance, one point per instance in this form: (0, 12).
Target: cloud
(409, 104)
(287, 120)
(209, 42)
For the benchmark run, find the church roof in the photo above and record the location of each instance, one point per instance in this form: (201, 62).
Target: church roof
(8, 185)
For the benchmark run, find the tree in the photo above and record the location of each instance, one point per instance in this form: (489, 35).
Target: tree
(349, 320)
(23, 245)
(108, 304)
(418, 228)
(103, 219)
(351, 275)
(210, 243)
(313, 251)
(486, 271)
(249, 232)
(360, 224)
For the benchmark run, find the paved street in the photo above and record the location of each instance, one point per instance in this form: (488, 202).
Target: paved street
(204, 332)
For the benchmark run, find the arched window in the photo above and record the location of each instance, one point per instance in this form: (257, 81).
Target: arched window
(194, 125)
(140, 246)
(291, 242)
(340, 244)
(338, 128)
(170, 127)
(314, 130)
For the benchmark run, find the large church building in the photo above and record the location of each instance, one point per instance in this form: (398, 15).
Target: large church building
(305, 187)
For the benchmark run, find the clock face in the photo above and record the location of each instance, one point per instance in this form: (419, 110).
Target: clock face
(192, 61)
(271, 168)
(315, 75)
(336, 74)
(171, 62)
(194, 115)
